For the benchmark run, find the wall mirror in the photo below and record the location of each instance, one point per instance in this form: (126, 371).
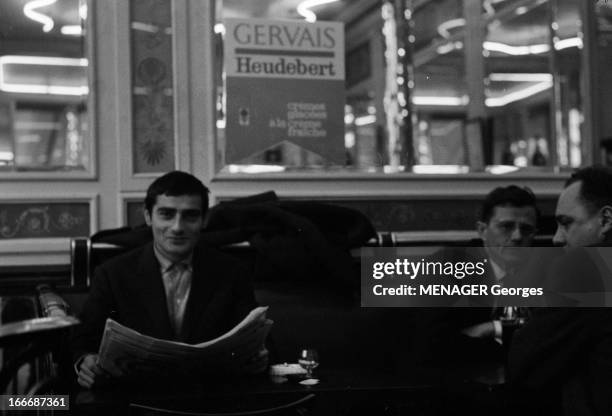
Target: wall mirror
(44, 89)
(506, 97)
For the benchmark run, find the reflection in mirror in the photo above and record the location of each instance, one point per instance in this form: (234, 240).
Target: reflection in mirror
(43, 86)
(441, 93)
(567, 50)
(519, 84)
(488, 86)
(603, 20)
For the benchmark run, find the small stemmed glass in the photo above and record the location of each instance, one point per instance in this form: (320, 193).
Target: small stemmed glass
(309, 360)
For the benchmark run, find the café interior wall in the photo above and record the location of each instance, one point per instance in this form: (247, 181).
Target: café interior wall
(604, 87)
(115, 185)
(100, 190)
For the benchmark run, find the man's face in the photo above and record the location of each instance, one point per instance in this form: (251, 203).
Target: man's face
(176, 222)
(577, 226)
(509, 227)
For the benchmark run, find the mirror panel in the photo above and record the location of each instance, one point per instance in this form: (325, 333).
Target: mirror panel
(44, 87)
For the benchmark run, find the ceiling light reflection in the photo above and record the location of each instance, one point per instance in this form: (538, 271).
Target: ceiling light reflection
(255, 168)
(445, 48)
(71, 30)
(33, 88)
(83, 10)
(521, 10)
(440, 169)
(220, 28)
(43, 89)
(518, 95)
(568, 43)
(304, 8)
(6, 155)
(444, 27)
(365, 120)
(501, 169)
(41, 60)
(535, 49)
(441, 101)
(520, 77)
(29, 11)
(500, 101)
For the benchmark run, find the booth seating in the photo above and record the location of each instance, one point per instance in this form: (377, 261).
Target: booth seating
(304, 260)
(33, 339)
(309, 311)
(302, 268)
(304, 263)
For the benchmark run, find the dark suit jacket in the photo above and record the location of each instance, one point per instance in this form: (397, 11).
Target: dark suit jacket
(129, 288)
(568, 351)
(438, 336)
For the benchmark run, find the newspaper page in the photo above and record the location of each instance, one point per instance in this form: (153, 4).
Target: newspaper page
(126, 351)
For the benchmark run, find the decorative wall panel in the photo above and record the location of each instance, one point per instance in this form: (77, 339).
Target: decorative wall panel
(434, 214)
(134, 213)
(44, 220)
(152, 81)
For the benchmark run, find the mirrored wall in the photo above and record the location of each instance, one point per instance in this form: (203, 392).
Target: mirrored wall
(437, 87)
(44, 87)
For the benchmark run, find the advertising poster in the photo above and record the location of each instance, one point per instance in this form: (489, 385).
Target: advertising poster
(284, 82)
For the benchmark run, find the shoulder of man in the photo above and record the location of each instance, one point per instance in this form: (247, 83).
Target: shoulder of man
(212, 255)
(128, 261)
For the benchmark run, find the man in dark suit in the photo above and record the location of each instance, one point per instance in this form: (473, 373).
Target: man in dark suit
(173, 288)
(568, 351)
(507, 224)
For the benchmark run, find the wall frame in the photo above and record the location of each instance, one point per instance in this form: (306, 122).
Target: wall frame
(38, 229)
(91, 173)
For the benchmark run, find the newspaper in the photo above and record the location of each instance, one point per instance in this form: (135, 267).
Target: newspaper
(125, 352)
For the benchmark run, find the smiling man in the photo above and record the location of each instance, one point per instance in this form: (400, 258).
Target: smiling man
(173, 288)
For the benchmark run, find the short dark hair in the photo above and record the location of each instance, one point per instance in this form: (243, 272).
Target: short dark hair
(596, 188)
(176, 183)
(511, 195)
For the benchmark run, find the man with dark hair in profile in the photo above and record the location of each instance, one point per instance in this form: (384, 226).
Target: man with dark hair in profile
(172, 288)
(568, 351)
(507, 223)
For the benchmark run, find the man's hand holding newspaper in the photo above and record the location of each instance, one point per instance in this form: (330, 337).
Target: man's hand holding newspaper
(129, 354)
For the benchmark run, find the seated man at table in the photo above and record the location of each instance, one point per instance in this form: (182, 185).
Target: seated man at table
(568, 351)
(173, 288)
(508, 219)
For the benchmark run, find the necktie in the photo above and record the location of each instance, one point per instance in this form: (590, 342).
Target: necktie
(175, 297)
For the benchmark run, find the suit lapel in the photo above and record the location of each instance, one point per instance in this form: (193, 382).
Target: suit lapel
(199, 319)
(151, 294)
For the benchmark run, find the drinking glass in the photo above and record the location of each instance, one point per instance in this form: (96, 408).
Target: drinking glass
(309, 360)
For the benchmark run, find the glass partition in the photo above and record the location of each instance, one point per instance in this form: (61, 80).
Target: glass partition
(153, 140)
(441, 93)
(567, 35)
(519, 84)
(44, 117)
(603, 22)
(442, 87)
